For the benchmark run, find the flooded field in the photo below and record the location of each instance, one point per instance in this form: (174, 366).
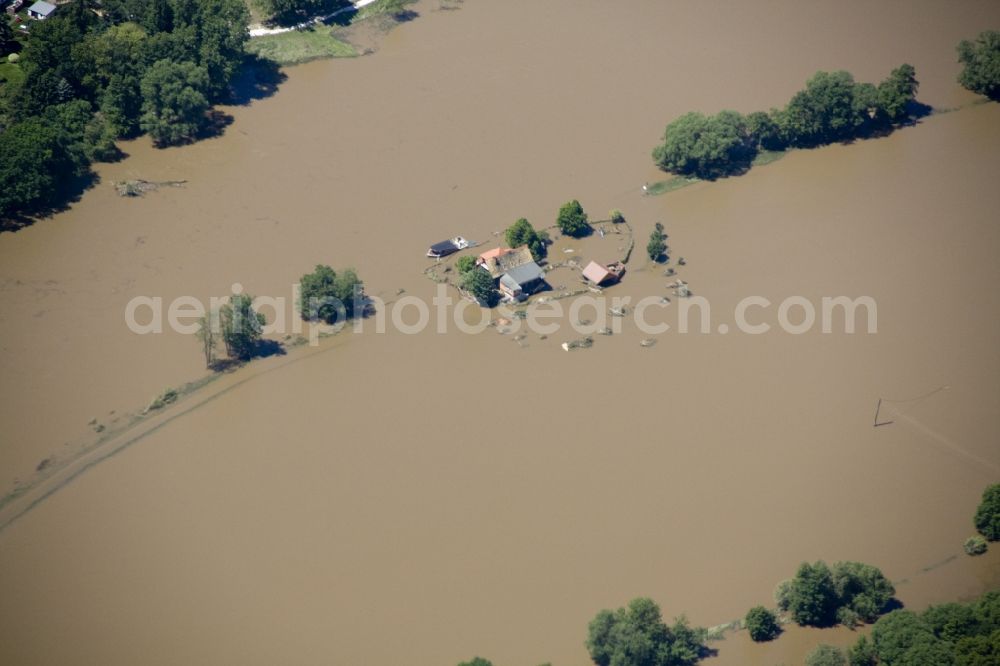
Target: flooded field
(393, 498)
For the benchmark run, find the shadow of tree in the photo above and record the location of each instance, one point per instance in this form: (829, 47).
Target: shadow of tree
(257, 79)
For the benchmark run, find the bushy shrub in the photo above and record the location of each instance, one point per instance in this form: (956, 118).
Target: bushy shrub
(975, 545)
(762, 624)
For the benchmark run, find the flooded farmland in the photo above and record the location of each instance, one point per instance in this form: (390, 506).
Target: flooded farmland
(472, 493)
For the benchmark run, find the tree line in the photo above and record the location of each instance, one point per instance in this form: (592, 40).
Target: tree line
(138, 66)
(832, 107)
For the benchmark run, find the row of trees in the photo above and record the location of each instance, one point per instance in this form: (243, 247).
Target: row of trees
(325, 295)
(151, 66)
(832, 107)
(847, 593)
(950, 634)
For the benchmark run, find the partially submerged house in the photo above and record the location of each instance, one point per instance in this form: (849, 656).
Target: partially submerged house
(41, 10)
(602, 275)
(504, 260)
(522, 281)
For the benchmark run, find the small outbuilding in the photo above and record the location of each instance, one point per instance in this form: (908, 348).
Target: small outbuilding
(522, 281)
(41, 10)
(604, 275)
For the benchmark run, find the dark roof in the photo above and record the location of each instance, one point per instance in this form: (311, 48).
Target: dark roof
(443, 245)
(525, 273)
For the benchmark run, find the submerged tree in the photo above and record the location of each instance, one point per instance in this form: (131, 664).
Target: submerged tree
(987, 518)
(657, 245)
(981, 60)
(208, 332)
(706, 146)
(636, 635)
(572, 220)
(241, 326)
(762, 624)
(522, 233)
(329, 296)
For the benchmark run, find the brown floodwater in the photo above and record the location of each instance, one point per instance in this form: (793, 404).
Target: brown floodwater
(423, 498)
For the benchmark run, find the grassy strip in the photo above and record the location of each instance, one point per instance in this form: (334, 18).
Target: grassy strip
(768, 156)
(671, 184)
(382, 8)
(298, 46)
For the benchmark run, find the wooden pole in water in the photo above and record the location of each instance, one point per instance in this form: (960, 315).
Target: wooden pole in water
(877, 409)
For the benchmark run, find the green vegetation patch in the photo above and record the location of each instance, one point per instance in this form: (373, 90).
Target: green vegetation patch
(768, 156)
(298, 46)
(392, 8)
(10, 73)
(670, 184)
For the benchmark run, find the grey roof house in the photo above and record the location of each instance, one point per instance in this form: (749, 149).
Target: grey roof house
(522, 281)
(41, 10)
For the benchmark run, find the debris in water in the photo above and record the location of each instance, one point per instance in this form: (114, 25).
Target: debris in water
(682, 261)
(648, 342)
(605, 331)
(582, 343)
(618, 312)
(137, 188)
(568, 250)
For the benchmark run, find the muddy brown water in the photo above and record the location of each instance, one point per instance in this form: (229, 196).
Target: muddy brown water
(424, 498)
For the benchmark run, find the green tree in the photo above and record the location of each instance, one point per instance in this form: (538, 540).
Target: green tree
(572, 221)
(222, 35)
(987, 518)
(174, 102)
(481, 286)
(616, 216)
(812, 598)
(33, 162)
(862, 653)
(329, 296)
(897, 92)
(981, 64)
(982, 650)
(762, 624)
(706, 146)
(522, 233)
(240, 326)
(465, 264)
(7, 40)
(862, 588)
(657, 245)
(636, 635)
(477, 661)
(825, 111)
(208, 336)
(763, 130)
(826, 655)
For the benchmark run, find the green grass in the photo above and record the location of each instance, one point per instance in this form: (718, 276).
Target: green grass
(381, 8)
(671, 184)
(768, 156)
(298, 46)
(10, 73)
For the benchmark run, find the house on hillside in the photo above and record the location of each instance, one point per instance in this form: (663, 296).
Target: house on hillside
(41, 10)
(602, 275)
(505, 260)
(522, 281)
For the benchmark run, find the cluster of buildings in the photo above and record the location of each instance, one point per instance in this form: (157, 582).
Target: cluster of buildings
(518, 276)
